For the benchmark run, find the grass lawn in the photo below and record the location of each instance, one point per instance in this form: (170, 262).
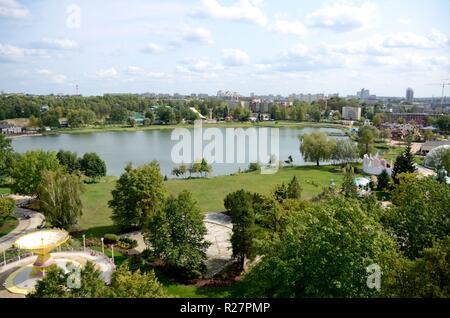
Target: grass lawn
(8, 225)
(209, 193)
(4, 190)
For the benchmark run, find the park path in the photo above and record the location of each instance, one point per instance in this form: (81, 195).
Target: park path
(28, 221)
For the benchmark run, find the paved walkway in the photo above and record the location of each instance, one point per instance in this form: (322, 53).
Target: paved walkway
(28, 221)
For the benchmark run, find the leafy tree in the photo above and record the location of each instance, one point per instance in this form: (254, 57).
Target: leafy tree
(119, 114)
(7, 208)
(205, 167)
(239, 205)
(429, 134)
(345, 151)
(366, 140)
(348, 187)
(150, 116)
(443, 123)
(166, 114)
(420, 214)
(50, 120)
(138, 194)
(378, 119)
(27, 170)
(404, 163)
(195, 168)
(69, 160)
(316, 147)
(294, 190)
(6, 156)
(383, 180)
(176, 235)
(92, 165)
(59, 198)
(55, 284)
(324, 252)
(135, 284)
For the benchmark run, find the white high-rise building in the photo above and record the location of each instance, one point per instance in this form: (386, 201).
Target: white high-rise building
(409, 95)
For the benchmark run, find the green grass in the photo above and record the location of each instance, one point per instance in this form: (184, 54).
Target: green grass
(209, 193)
(5, 190)
(9, 224)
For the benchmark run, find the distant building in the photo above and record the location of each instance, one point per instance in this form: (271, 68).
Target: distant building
(9, 129)
(351, 113)
(363, 94)
(409, 95)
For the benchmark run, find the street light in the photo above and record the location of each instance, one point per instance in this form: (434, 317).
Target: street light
(84, 243)
(112, 252)
(103, 246)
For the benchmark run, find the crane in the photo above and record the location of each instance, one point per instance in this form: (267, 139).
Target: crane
(443, 83)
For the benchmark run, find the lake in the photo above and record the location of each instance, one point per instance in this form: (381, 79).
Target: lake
(118, 148)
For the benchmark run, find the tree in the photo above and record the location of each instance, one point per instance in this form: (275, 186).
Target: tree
(150, 116)
(239, 205)
(316, 147)
(428, 134)
(345, 151)
(59, 198)
(195, 168)
(378, 119)
(55, 284)
(324, 252)
(27, 170)
(294, 190)
(166, 114)
(176, 235)
(128, 284)
(348, 187)
(366, 140)
(7, 208)
(420, 213)
(205, 167)
(443, 123)
(6, 156)
(138, 194)
(69, 160)
(404, 163)
(92, 165)
(383, 180)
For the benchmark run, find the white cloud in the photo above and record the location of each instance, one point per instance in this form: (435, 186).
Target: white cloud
(342, 17)
(60, 44)
(55, 78)
(152, 48)
(12, 9)
(243, 11)
(197, 35)
(438, 37)
(404, 21)
(407, 40)
(197, 65)
(137, 73)
(287, 27)
(108, 73)
(14, 53)
(410, 62)
(235, 57)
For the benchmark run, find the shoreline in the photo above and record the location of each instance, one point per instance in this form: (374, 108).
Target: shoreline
(283, 124)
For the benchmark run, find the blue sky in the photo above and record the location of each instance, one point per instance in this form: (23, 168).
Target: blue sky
(202, 46)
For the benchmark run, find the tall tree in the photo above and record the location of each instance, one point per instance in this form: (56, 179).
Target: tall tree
(404, 163)
(92, 165)
(6, 156)
(69, 160)
(27, 170)
(348, 187)
(324, 252)
(176, 235)
(366, 140)
(316, 147)
(345, 152)
(138, 194)
(420, 213)
(59, 198)
(240, 207)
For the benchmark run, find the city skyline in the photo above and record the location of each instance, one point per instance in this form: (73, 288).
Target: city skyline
(240, 45)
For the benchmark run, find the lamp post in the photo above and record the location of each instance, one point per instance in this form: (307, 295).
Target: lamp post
(103, 246)
(84, 243)
(4, 257)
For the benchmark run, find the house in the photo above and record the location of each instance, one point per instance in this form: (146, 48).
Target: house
(430, 145)
(9, 129)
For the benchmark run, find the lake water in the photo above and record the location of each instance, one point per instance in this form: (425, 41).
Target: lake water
(118, 148)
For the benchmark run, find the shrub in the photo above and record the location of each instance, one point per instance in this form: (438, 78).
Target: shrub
(127, 243)
(254, 166)
(7, 207)
(111, 238)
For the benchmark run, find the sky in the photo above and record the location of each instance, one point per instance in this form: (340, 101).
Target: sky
(202, 46)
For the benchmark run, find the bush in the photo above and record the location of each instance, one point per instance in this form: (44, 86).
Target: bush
(127, 243)
(254, 166)
(7, 207)
(111, 238)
